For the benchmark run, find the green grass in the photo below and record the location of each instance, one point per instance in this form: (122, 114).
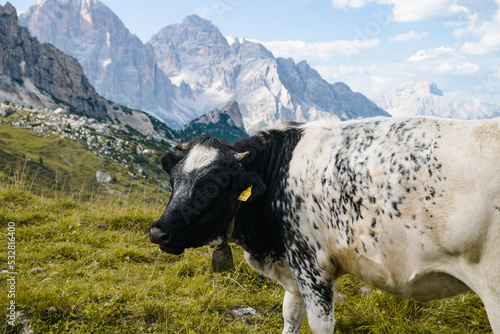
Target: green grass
(87, 266)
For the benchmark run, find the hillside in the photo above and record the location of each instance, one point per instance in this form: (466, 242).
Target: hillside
(60, 151)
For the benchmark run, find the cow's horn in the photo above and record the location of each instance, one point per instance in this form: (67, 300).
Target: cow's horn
(181, 147)
(241, 156)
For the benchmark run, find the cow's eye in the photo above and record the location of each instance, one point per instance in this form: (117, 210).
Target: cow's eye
(210, 190)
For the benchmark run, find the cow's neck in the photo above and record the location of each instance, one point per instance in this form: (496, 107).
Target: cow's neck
(258, 225)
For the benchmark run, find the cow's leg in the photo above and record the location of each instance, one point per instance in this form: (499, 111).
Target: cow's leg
(294, 312)
(484, 280)
(320, 309)
(317, 294)
(493, 310)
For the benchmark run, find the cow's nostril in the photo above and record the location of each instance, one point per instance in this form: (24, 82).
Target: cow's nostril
(157, 236)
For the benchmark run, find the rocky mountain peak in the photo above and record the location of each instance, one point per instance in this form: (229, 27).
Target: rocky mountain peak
(8, 9)
(225, 123)
(194, 43)
(251, 50)
(422, 87)
(424, 98)
(8, 21)
(231, 110)
(192, 29)
(28, 63)
(196, 21)
(189, 68)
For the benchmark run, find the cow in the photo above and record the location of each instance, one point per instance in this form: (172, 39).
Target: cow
(410, 206)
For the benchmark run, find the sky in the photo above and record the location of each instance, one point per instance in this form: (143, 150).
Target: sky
(372, 45)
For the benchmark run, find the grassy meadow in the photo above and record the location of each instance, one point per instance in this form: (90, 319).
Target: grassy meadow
(85, 265)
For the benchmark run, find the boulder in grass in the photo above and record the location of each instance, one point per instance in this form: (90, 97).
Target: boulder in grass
(103, 177)
(7, 112)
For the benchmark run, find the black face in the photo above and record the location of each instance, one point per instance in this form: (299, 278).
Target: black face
(206, 184)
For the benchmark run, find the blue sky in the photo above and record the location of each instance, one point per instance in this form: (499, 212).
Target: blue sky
(371, 45)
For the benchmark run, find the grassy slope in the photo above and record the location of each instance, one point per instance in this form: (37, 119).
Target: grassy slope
(67, 166)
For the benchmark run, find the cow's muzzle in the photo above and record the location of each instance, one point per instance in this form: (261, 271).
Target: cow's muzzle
(157, 236)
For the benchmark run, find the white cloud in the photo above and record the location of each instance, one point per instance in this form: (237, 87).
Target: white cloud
(444, 68)
(486, 45)
(408, 37)
(321, 52)
(350, 3)
(431, 53)
(218, 8)
(467, 68)
(421, 55)
(412, 11)
(487, 33)
(464, 68)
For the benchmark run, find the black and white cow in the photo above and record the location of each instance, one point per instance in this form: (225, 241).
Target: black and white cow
(410, 206)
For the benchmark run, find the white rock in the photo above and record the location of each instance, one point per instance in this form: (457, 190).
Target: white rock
(103, 177)
(246, 312)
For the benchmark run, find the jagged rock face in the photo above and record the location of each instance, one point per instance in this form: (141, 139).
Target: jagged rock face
(117, 63)
(193, 44)
(268, 90)
(41, 74)
(225, 123)
(23, 58)
(424, 98)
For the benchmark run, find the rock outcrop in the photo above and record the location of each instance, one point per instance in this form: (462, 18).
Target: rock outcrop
(225, 123)
(103, 177)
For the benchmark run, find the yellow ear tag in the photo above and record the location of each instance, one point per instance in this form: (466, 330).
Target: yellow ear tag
(245, 194)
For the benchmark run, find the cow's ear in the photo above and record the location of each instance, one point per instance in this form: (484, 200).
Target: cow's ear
(251, 186)
(168, 161)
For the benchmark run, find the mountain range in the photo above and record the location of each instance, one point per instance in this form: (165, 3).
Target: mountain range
(188, 69)
(424, 98)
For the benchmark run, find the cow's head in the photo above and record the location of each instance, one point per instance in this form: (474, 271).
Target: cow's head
(206, 184)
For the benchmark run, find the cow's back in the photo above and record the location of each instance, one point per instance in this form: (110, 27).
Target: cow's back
(394, 200)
